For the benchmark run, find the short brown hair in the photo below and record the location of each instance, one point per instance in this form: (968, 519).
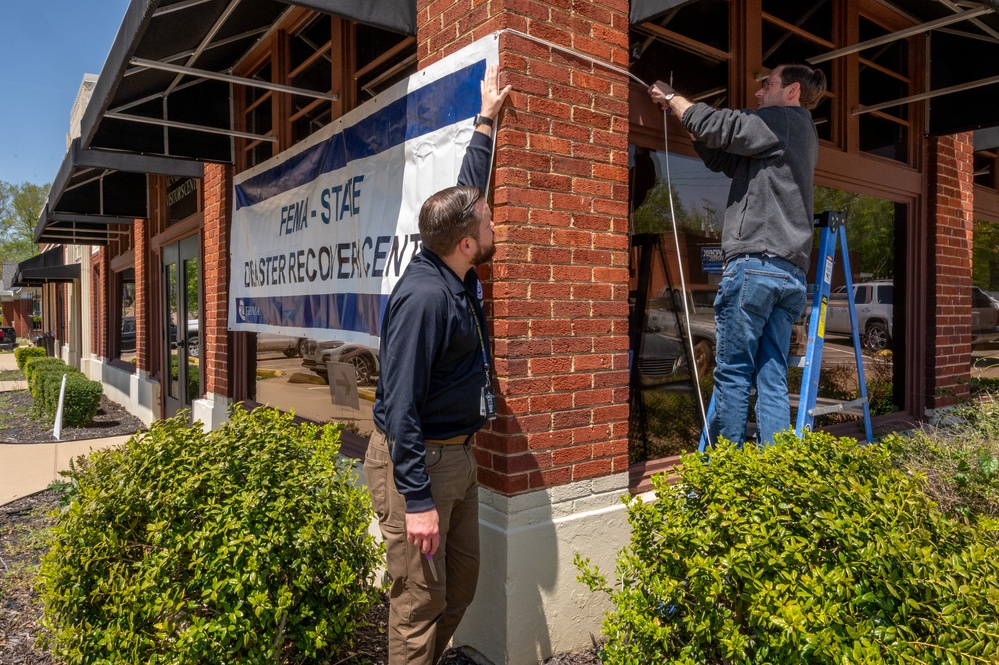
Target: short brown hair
(447, 217)
(811, 80)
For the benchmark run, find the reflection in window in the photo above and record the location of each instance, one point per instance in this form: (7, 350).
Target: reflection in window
(793, 32)
(692, 38)
(293, 374)
(665, 414)
(878, 288)
(984, 298)
(311, 69)
(126, 342)
(985, 168)
(884, 77)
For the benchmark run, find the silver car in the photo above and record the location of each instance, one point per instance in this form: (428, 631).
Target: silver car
(317, 353)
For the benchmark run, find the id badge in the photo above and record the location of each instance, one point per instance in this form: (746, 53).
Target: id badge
(487, 403)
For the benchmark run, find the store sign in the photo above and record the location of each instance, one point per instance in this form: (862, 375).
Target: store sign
(182, 197)
(712, 260)
(322, 232)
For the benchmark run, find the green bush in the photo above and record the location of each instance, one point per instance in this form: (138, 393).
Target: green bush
(960, 461)
(83, 396)
(248, 544)
(21, 354)
(36, 362)
(815, 550)
(44, 385)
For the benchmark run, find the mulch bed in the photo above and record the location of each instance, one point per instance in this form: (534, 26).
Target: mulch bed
(22, 524)
(111, 420)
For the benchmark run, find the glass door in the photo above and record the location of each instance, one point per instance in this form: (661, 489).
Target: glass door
(182, 289)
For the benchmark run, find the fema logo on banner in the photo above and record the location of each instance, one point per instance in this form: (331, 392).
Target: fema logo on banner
(248, 313)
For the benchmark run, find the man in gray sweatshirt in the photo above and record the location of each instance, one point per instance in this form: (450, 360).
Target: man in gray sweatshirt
(770, 156)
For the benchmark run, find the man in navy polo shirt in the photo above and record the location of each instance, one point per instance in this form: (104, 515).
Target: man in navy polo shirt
(434, 392)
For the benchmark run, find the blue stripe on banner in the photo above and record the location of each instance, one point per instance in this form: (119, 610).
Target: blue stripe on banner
(357, 312)
(454, 98)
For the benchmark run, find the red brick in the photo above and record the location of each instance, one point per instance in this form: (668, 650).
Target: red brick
(584, 470)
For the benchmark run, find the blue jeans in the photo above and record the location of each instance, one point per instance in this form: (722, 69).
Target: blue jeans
(759, 299)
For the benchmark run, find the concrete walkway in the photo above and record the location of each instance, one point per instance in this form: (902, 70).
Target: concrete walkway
(26, 468)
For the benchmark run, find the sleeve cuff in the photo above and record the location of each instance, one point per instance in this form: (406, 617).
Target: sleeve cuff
(419, 501)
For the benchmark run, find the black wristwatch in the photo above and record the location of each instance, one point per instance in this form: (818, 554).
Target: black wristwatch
(483, 120)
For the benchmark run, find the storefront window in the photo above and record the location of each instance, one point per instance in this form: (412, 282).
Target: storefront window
(884, 77)
(793, 32)
(878, 288)
(667, 366)
(985, 168)
(125, 342)
(693, 43)
(985, 299)
(666, 415)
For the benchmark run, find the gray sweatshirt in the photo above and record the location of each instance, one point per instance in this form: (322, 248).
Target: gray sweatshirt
(770, 156)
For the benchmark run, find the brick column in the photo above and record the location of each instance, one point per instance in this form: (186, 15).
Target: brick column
(215, 275)
(559, 281)
(22, 322)
(98, 307)
(143, 332)
(557, 296)
(950, 213)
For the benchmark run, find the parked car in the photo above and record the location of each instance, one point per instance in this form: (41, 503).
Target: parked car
(984, 317)
(873, 302)
(127, 343)
(273, 343)
(663, 344)
(8, 337)
(874, 305)
(364, 358)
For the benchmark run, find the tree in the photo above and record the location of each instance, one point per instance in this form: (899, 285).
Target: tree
(20, 206)
(870, 229)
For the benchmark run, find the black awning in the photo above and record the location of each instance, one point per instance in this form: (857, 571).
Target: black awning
(187, 115)
(395, 15)
(645, 10)
(96, 191)
(45, 268)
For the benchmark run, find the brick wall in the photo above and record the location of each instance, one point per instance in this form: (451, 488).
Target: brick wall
(558, 285)
(98, 300)
(21, 321)
(17, 313)
(215, 273)
(140, 243)
(950, 221)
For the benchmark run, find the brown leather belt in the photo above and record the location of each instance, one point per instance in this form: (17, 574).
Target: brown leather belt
(461, 439)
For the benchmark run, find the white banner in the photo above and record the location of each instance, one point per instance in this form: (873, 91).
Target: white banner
(322, 232)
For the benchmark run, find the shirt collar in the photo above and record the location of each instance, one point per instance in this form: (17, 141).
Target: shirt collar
(454, 282)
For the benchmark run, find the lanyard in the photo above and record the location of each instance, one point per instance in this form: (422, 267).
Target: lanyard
(482, 342)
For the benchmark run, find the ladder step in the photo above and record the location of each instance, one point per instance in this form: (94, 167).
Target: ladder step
(835, 408)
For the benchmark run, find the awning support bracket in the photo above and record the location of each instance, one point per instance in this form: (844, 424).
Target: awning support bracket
(187, 125)
(229, 78)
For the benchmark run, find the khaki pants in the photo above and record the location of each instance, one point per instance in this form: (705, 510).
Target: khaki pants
(424, 613)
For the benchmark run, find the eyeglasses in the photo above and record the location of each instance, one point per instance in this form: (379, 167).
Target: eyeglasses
(766, 83)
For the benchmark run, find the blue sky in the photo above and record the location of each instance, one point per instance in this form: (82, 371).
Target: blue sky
(46, 46)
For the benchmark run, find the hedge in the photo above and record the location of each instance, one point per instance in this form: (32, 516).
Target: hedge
(814, 550)
(248, 544)
(21, 354)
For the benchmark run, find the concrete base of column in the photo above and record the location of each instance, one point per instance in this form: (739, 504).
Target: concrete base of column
(529, 603)
(212, 410)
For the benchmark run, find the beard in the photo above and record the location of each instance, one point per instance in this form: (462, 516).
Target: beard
(483, 254)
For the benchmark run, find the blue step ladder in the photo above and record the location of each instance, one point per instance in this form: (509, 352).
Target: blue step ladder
(831, 230)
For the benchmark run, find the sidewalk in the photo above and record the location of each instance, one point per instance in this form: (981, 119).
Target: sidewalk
(29, 468)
